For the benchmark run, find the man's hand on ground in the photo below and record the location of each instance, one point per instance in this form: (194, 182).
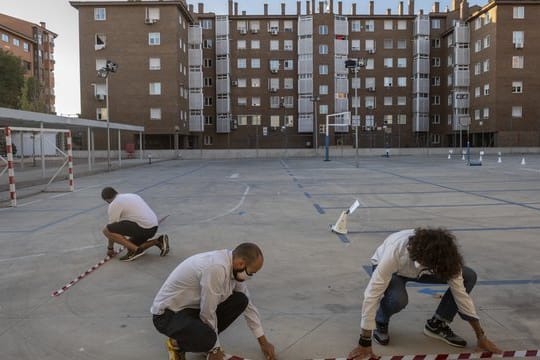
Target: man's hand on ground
(362, 353)
(267, 348)
(218, 355)
(485, 344)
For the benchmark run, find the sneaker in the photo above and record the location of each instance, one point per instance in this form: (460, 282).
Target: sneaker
(438, 329)
(164, 246)
(380, 334)
(174, 350)
(132, 255)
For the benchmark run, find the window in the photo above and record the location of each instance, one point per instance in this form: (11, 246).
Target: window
(323, 69)
(486, 89)
(517, 87)
(402, 63)
(518, 39)
(388, 119)
(242, 82)
(241, 63)
(388, 81)
(288, 45)
(356, 26)
(288, 26)
(477, 45)
(388, 44)
(254, 26)
(486, 65)
(369, 64)
(436, 81)
(369, 25)
(207, 44)
(370, 45)
(288, 83)
(435, 100)
(207, 63)
(355, 101)
(241, 44)
(369, 102)
(255, 82)
(355, 45)
(16, 42)
(477, 114)
(370, 83)
(477, 91)
(100, 14)
(477, 23)
(255, 101)
(206, 24)
(5, 38)
(208, 140)
(388, 25)
(288, 64)
(208, 82)
(274, 121)
(436, 43)
(436, 119)
(355, 83)
(155, 88)
(487, 41)
(255, 119)
(274, 102)
(241, 26)
(152, 15)
(323, 49)
(388, 101)
(517, 62)
(100, 41)
(477, 68)
(323, 29)
(100, 64)
(517, 111)
(26, 47)
(401, 81)
(154, 64)
(435, 138)
(274, 45)
(402, 100)
(154, 38)
(242, 101)
(486, 113)
(323, 109)
(519, 12)
(208, 120)
(274, 65)
(208, 101)
(436, 62)
(323, 90)
(402, 119)
(155, 113)
(388, 62)
(370, 121)
(402, 25)
(435, 23)
(255, 63)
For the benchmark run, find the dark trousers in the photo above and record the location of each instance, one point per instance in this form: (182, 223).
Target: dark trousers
(395, 297)
(190, 332)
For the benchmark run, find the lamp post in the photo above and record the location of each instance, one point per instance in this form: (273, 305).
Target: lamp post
(315, 100)
(355, 65)
(104, 72)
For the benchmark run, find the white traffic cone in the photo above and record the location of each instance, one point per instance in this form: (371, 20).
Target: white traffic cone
(340, 226)
(463, 155)
(450, 152)
(499, 159)
(523, 161)
(481, 154)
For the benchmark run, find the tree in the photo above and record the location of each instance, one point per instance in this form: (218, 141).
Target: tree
(11, 80)
(32, 96)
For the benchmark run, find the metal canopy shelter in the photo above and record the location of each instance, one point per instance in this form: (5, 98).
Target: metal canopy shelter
(11, 117)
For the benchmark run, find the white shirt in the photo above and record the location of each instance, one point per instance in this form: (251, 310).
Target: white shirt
(133, 208)
(203, 281)
(392, 257)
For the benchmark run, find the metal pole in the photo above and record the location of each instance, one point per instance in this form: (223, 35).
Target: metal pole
(326, 142)
(89, 149)
(22, 150)
(356, 113)
(119, 149)
(108, 127)
(42, 151)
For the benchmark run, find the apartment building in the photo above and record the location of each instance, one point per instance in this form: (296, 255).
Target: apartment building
(408, 78)
(34, 45)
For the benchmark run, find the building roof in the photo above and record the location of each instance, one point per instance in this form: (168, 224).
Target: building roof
(21, 27)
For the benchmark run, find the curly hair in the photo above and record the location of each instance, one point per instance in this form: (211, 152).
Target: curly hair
(436, 249)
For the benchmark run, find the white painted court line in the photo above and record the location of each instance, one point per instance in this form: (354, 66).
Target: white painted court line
(21, 257)
(234, 176)
(230, 210)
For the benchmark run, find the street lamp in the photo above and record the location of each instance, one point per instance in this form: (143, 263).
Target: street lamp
(104, 72)
(355, 65)
(315, 100)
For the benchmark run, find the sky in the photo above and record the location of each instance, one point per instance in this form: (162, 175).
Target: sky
(62, 19)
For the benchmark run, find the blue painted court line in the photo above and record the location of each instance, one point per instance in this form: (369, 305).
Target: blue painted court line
(319, 209)
(307, 195)
(421, 206)
(295, 179)
(300, 186)
(343, 238)
(367, 269)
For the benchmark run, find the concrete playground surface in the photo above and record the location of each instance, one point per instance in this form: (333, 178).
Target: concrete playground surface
(310, 290)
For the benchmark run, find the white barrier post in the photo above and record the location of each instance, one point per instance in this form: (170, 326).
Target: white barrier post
(499, 160)
(450, 152)
(70, 162)
(11, 171)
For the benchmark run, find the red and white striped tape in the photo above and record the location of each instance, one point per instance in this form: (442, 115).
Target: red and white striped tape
(11, 170)
(461, 356)
(84, 274)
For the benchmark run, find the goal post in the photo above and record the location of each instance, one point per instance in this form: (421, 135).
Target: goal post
(344, 119)
(9, 163)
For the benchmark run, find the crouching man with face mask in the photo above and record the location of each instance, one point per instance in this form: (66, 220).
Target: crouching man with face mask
(203, 296)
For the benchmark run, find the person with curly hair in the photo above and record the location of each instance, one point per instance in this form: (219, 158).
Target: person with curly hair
(424, 255)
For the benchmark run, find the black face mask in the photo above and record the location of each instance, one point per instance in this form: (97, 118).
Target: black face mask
(241, 275)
